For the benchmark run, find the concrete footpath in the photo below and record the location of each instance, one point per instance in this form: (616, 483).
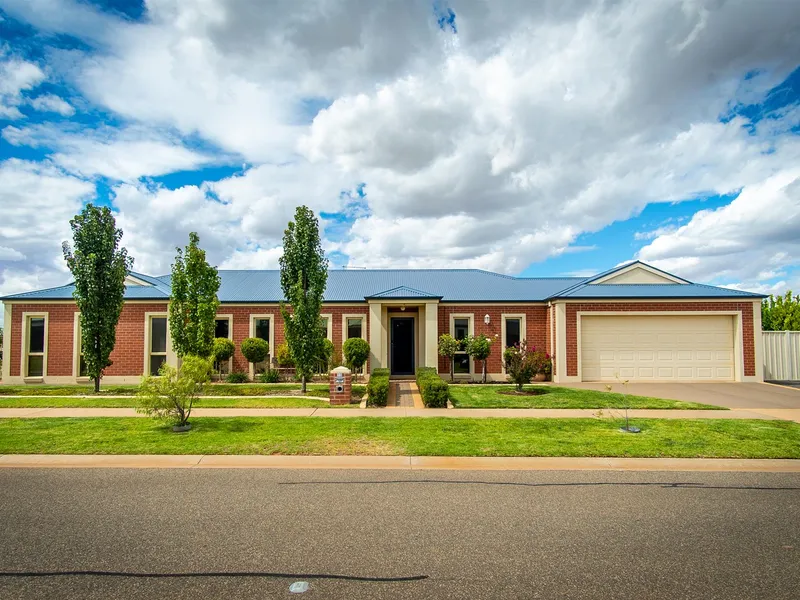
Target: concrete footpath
(196, 461)
(786, 414)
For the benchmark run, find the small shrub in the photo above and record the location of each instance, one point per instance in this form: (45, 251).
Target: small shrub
(237, 377)
(270, 376)
(433, 389)
(378, 388)
(283, 356)
(170, 396)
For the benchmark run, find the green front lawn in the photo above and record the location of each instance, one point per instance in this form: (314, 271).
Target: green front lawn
(405, 436)
(215, 389)
(130, 402)
(487, 396)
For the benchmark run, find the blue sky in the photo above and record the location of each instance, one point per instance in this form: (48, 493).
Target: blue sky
(522, 140)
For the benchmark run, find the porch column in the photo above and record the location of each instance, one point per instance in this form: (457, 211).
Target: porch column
(432, 334)
(375, 336)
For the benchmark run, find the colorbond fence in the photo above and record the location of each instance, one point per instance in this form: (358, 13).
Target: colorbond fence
(781, 355)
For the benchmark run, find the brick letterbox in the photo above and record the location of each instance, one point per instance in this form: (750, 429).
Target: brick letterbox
(340, 385)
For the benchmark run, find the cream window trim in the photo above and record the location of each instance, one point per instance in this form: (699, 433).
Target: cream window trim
(470, 331)
(271, 341)
(363, 317)
(8, 316)
(76, 349)
(148, 317)
(23, 371)
(329, 328)
(229, 319)
(523, 333)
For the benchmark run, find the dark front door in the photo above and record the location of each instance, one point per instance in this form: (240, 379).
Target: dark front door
(402, 346)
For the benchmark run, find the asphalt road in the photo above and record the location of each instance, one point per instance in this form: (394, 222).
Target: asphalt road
(247, 534)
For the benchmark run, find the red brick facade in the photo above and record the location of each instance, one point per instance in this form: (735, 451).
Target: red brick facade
(537, 328)
(746, 309)
(128, 356)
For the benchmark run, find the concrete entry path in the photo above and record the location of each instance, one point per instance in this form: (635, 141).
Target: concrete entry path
(751, 396)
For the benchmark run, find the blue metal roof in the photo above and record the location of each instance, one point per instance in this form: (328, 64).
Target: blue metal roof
(450, 285)
(403, 292)
(650, 290)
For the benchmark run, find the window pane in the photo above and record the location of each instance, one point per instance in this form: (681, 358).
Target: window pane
(353, 328)
(36, 333)
(158, 334)
(323, 323)
(221, 328)
(461, 328)
(512, 332)
(35, 366)
(82, 368)
(461, 364)
(262, 329)
(156, 362)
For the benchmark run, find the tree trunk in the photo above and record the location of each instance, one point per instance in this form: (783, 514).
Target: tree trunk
(303, 389)
(452, 368)
(96, 385)
(484, 370)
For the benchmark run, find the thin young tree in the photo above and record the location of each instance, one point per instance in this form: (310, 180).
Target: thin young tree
(304, 275)
(99, 267)
(193, 302)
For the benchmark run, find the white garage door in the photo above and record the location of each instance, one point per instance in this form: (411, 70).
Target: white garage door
(657, 348)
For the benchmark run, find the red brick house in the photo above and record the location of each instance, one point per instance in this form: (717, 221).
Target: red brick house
(634, 321)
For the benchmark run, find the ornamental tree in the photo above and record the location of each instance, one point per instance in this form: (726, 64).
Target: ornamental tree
(304, 275)
(448, 346)
(99, 267)
(222, 351)
(255, 350)
(356, 352)
(193, 302)
(479, 347)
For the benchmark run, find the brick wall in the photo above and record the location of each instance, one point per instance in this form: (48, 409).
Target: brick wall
(241, 326)
(537, 329)
(128, 353)
(746, 309)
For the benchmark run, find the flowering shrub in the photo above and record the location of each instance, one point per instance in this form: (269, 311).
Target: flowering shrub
(520, 364)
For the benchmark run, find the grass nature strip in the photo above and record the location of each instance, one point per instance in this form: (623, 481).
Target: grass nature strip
(488, 396)
(213, 389)
(405, 436)
(130, 402)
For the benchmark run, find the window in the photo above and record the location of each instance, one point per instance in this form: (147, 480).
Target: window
(513, 331)
(326, 322)
(354, 327)
(261, 327)
(35, 354)
(222, 328)
(81, 360)
(158, 343)
(461, 362)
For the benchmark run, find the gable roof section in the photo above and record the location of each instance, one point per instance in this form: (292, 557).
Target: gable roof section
(448, 285)
(654, 275)
(402, 292)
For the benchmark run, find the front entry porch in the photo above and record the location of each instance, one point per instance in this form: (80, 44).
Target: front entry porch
(403, 332)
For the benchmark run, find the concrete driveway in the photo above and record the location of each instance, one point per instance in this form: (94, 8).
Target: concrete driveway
(730, 395)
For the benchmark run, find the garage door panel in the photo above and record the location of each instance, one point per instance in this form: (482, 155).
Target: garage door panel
(657, 347)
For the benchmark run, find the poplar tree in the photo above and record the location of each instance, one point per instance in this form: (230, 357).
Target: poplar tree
(193, 302)
(99, 267)
(304, 275)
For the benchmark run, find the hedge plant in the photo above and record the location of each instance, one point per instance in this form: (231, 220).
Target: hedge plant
(378, 388)
(433, 389)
